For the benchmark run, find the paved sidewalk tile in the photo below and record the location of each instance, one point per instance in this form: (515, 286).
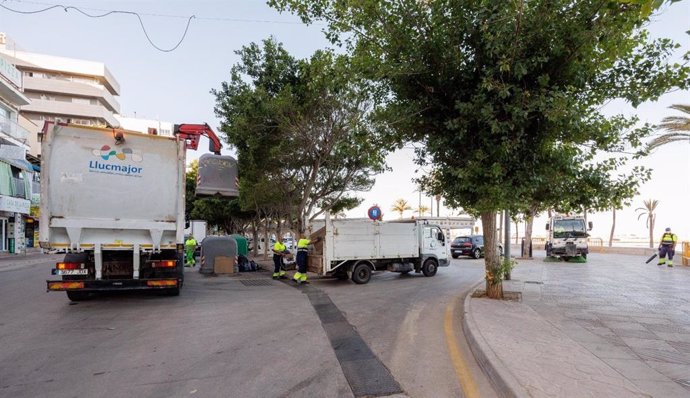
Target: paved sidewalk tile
(613, 326)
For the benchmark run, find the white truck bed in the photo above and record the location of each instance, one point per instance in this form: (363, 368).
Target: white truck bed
(95, 192)
(357, 239)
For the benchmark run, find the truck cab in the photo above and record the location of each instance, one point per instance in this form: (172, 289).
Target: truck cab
(567, 236)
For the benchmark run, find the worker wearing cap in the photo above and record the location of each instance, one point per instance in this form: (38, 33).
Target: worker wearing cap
(189, 247)
(667, 246)
(279, 250)
(302, 259)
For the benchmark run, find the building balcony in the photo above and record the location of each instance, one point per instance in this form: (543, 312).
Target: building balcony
(71, 109)
(66, 86)
(13, 130)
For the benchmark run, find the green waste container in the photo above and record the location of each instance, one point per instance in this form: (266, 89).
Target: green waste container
(11, 245)
(242, 245)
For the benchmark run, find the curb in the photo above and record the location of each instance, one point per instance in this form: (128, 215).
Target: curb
(505, 384)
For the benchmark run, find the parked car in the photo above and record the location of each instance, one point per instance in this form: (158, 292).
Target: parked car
(470, 245)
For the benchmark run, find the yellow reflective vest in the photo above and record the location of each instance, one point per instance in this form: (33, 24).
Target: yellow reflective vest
(669, 238)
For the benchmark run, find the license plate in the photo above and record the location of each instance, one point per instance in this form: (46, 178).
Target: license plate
(70, 272)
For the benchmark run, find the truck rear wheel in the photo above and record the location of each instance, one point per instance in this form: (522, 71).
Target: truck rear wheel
(429, 268)
(361, 274)
(77, 296)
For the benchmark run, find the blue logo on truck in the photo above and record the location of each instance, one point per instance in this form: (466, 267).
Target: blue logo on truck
(109, 156)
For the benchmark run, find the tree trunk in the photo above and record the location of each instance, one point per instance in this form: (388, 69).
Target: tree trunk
(494, 284)
(255, 236)
(651, 231)
(613, 228)
(267, 239)
(529, 225)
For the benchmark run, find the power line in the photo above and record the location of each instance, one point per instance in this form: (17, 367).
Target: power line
(105, 14)
(243, 20)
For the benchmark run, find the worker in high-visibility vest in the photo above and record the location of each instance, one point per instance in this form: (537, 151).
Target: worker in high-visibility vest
(279, 250)
(667, 246)
(302, 259)
(189, 247)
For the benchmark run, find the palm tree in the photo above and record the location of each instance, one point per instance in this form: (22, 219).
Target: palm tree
(678, 128)
(400, 206)
(421, 210)
(613, 227)
(648, 210)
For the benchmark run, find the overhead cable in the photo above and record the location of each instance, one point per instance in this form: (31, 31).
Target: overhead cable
(105, 14)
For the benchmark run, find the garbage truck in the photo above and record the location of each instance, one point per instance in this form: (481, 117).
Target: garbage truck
(354, 248)
(113, 201)
(567, 236)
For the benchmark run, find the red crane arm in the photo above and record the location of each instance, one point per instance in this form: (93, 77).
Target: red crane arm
(192, 132)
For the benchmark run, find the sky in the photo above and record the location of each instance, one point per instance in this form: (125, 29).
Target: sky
(175, 86)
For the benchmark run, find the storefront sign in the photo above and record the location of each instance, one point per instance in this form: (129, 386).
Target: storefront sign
(14, 205)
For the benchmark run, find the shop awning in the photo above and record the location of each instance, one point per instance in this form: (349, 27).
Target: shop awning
(19, 163)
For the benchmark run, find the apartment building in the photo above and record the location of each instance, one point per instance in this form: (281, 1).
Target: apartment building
(17, 176)
(66, 89)
(148, 126)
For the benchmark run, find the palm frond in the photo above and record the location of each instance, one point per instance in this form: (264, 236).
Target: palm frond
(682, 108)
(668, 138)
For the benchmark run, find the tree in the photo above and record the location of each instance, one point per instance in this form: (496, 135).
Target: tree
(648, 211)
(505, 96)
(678, 128)
(400, 206)
(302, 131)
(421, 210)
(190, 188)
(613, 226)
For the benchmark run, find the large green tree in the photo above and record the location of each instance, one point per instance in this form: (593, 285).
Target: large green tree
(224, 213)
(506, 96)
(302, 130)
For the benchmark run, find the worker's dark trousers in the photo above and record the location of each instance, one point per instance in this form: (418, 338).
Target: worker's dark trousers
(277, 262)
(302, 261)
(666, 249)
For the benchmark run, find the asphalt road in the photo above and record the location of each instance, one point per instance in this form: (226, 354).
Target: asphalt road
(230, 337)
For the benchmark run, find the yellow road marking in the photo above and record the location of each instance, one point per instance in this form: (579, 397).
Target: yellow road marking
(469, 387)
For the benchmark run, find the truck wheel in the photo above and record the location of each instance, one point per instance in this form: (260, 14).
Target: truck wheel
(429, 268)
(476, 253)
(361, 274)
(77, 296)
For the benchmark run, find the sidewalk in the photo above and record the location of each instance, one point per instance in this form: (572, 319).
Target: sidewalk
(613, 327)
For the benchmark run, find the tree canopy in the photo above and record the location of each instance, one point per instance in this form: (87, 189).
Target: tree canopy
(506, 96)
(302, 129)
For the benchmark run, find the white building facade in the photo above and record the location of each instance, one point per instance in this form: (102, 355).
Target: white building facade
(148, 126)
(66, 89)
(17, 175)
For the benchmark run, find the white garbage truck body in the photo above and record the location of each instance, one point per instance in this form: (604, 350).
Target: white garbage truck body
(353, 248)
(113, 200)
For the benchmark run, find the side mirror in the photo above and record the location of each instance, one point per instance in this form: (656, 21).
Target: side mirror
(590, 225)
(441, 237)
(547, 227)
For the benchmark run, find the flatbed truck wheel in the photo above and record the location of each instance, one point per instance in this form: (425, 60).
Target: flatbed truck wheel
(361, 274)
(429, 268)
